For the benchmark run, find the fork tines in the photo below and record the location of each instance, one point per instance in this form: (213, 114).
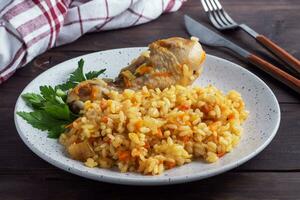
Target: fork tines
(217, 15)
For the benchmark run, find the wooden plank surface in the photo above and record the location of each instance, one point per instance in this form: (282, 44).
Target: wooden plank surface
(273, 174)
(229, 186)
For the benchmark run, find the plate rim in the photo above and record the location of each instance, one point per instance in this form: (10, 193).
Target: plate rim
(166, 181)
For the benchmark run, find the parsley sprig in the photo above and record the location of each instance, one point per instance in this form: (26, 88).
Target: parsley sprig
(78, 76)
(50, 112)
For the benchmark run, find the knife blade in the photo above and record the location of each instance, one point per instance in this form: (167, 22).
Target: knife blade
(210, 38)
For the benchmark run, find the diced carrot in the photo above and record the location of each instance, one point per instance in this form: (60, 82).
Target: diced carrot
(185, 138)
(159, 133)
(104, 119)
(231, 116)
(188, 123)
(138, 124)
(169, 164)
(184, 107)
(123, 155)
(221, 154)
(144, 69)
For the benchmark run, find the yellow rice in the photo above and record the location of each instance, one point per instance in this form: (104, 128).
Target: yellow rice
(149, 131)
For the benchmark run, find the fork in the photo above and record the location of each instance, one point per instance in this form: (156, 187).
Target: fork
(222, 21)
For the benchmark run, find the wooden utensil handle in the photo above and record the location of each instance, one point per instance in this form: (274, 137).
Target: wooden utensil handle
(277, 73)
(280, 52)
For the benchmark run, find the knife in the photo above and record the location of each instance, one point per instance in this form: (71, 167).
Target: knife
(210, 38)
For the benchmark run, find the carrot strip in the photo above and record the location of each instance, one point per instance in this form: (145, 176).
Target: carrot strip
(104, 119)
(188, 123)
(231, 116)
(138, 124)
(185, 138)
(123, 155)
(221, 154)
(184, 107)
(162, 74)
(159, 133)
(144, 69)
(169, 164)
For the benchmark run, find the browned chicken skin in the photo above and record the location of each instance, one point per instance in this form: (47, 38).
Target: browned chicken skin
(168, 62)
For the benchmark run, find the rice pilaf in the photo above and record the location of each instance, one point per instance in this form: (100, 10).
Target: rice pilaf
(150, 130)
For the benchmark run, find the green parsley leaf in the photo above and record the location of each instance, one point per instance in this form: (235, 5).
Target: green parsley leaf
(40, 119)
(66, 86)
(56, 131)
(51, 112)
(48, 92)
(76, 77)
(34, 100)
(94, 74)
(57, 110)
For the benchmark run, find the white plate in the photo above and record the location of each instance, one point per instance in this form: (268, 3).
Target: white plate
(259, 128)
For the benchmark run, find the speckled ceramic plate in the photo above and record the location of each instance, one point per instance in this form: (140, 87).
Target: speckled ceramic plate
(259, 129)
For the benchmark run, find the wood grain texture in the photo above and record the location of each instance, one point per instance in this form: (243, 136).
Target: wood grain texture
(280, 75)
(280, 52)
(230, 186)
(273, 174)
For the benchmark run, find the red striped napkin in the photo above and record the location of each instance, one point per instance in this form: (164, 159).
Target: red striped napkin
(30, 27)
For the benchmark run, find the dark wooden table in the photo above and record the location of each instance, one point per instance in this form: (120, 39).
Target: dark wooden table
(273, 174)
